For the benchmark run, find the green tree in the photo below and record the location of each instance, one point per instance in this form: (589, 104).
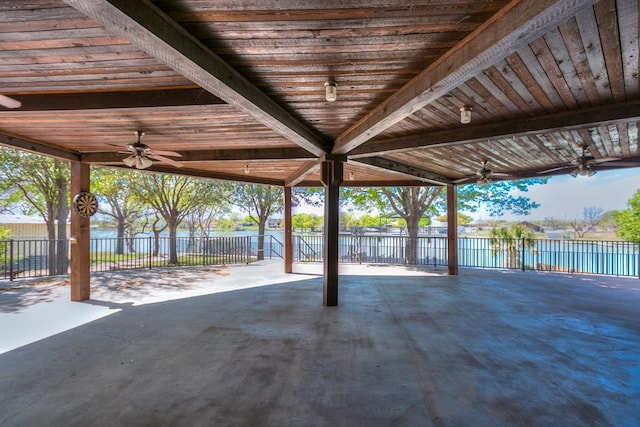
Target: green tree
(116, 194)
(413, 203)
(172, 197)
(628, 220)
(463, 219)
(259, 202)
(43, 183)
(305, 221)
(5, 234)
(200, 219)
(510, 240)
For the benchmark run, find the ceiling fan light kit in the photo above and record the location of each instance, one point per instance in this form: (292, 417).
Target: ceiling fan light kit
(142, 156)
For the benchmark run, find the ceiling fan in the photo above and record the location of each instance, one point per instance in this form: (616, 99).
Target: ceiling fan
(5, 101)
(483, 176)
(142, 156)
(582, 165)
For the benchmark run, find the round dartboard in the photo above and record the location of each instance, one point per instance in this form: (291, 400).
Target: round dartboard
(85, 204)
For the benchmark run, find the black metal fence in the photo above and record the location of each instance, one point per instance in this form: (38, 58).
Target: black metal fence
(570, 256)
(30, 258)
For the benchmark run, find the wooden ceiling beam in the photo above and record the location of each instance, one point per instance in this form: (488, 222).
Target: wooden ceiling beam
(309, 168)
(209, 175)
(261, 154)
(145, 26)
(517, 24)
(528, 126)
(12, 141)
(394, 167)
(117, 99)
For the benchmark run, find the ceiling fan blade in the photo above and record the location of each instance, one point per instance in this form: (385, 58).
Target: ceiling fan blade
(166, 153)
(603, 160)
(166, 160)
(465, 180)
(554, 169)
(9, 102)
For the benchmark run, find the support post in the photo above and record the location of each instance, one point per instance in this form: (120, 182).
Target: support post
(331, 178)
(452, 230)
(80, 235)
(288, 232)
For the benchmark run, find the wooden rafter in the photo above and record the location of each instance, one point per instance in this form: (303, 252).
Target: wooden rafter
(514, 26)
(565, 121)
(147, 27)
(308, 168)
(117, 99)
(35, 147)
(394, 167)
(263, 154)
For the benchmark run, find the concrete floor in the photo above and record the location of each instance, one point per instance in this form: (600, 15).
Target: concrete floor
(251, 346)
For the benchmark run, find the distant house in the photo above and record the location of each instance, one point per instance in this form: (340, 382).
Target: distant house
(25, 227)
(274, 222)
(531, 226)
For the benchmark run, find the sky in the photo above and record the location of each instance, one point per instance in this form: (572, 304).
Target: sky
(565, 197)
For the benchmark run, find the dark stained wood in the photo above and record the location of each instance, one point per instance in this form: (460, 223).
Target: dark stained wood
(266, 154)
(452, 230)
(288, 231)
(85, 88)
(493, 41)
(575, 119)
(80, 238)
(113, 100)
(148, 28)
(332, 171)
(37, 147)
(403, 169)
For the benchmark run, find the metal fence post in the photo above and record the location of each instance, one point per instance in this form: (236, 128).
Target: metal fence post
(248, 249)
(149, 250)
(11, 260)
(523, 254)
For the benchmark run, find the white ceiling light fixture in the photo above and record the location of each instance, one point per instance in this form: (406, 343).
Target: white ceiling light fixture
(465, 115)
(331, 91)
(247, 170)
(352, 176)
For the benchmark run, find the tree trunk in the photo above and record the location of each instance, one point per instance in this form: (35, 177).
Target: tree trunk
(62, 264)
(261, 227)
(52, 261)
(173, 242)
(120, 236)
(411, 247)
(156, 243)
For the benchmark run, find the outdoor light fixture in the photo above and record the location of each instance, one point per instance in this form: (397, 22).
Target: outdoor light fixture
(246, 170)
(465, 115)
(331, 91)
(352, 176)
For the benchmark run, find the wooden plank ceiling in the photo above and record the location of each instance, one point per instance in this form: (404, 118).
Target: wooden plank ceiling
(237, 88)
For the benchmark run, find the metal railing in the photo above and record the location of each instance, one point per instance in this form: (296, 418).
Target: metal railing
(616, 258)
(30, 258)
